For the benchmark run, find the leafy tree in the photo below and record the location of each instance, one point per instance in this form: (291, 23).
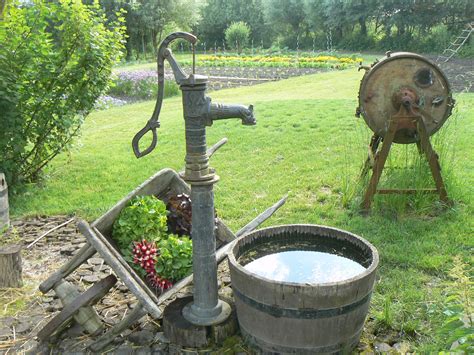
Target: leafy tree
(217, 15)
(237, 35)
(55, 61)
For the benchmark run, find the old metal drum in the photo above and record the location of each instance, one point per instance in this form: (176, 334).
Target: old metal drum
(384, 80)
(288, 317)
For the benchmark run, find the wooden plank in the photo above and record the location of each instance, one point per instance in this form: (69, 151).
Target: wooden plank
(89, 297)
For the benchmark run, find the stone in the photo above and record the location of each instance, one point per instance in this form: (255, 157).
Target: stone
(145, 350)
(91, 278)
(382, 347)
(142, 337)
(5, 332)
(96, 261)
(225, 280)
(401, 347)
(161, 338)
(23, 327)
(159, 349)
(123, 350)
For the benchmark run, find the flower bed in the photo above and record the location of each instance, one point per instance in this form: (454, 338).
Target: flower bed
(291, 61)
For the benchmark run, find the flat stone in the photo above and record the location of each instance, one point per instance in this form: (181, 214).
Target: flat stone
(159, 349)
(401, 347)
(84, 272)
(23, 327)
(95, 261)
(225, 280)
(382, 347)
(142, 337)
(123, 350)
(160, 337)
(145, 350)
(91, 278)
(5, 332)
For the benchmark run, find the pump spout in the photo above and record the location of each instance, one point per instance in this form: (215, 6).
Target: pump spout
(223, 111)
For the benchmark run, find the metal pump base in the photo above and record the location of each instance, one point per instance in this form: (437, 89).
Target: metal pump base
(198, 316)
(182, 332)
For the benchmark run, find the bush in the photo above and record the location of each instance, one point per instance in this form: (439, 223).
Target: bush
(55, 61)
(139, 85)
(237, 35)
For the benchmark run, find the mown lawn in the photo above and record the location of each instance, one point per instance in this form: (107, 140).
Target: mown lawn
(307, 143)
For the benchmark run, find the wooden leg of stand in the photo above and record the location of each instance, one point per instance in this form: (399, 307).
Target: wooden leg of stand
(377, 169)
(373, 146)
(433, 161)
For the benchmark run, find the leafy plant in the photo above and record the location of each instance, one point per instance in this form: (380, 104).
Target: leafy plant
(179, 214)
(458, 327)
(143, 218)
(237, 35)
(55, 61)
(175, 258)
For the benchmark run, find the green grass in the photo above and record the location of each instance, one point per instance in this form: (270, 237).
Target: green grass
(307, 143)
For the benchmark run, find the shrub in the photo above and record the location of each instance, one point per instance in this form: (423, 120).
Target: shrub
(139, 85)
(237, 35)
(55, 61)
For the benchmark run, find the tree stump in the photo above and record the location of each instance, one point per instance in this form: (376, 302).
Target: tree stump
(10, 266)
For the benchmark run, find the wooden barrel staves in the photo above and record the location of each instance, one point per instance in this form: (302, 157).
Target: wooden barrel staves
(4, 210)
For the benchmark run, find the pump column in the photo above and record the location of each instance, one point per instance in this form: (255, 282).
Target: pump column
(206, 308)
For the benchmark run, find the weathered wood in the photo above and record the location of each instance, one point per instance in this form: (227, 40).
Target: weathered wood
(4, 209)
(86, 316)
(121, 268)
(138, 312)
(86, 252)
(180, 331)
(10, 266)
(89, 297)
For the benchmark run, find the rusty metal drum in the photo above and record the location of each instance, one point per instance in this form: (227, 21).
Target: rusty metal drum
(386, 79)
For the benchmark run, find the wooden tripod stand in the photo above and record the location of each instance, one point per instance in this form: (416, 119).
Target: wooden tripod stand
(406, 118)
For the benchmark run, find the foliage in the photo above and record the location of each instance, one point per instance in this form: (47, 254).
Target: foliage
(55, 61)
(217, 15)
(237, 35)
(458, 327)
(143, 218)
(288, 61)
(179, 214)
(175, 257)
(139, 85)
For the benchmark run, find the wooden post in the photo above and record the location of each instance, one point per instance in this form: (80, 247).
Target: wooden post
(4, 210)
(10, 266)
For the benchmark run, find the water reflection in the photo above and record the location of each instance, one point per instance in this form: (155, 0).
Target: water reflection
(303, 266)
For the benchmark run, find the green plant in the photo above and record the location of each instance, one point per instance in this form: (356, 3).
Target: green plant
(237, 35)
(175, 257)
(143, 218)
(56, 58)
(458, 327)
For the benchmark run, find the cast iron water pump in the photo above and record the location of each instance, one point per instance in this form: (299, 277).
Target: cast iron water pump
(199, 112)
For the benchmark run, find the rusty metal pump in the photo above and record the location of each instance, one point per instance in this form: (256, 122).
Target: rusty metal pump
(404, 98)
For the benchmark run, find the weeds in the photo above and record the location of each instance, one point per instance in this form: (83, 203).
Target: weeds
(458, 327)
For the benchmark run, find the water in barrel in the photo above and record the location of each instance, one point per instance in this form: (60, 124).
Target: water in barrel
(305, 266)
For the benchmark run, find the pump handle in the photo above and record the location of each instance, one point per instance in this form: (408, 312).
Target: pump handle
(154, 123)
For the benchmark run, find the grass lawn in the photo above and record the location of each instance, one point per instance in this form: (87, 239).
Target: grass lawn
(307, 143)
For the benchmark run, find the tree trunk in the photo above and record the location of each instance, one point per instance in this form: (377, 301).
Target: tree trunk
(4, 209)
(363, 26)
(10, 266)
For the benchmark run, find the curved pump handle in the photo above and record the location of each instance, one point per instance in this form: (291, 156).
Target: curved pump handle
(154, 123)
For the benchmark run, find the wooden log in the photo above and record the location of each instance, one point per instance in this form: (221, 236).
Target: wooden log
(10, 266)
(4, 209)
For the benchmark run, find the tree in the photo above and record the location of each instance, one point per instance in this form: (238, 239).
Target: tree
(217, 15)
(237, 35)
(55, 61)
